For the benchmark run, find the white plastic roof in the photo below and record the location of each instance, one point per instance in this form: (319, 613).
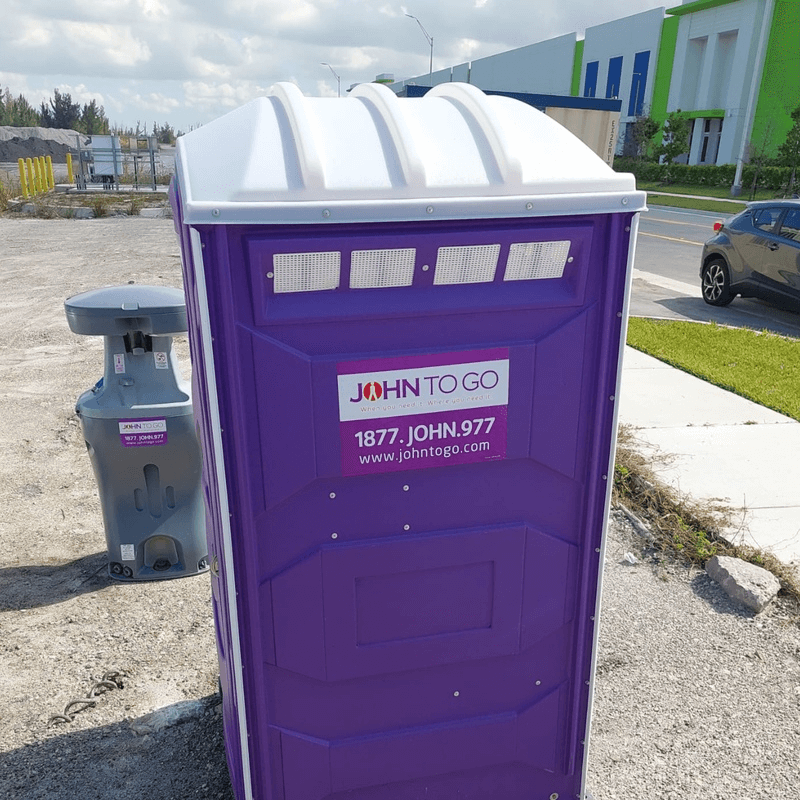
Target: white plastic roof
(454, 153)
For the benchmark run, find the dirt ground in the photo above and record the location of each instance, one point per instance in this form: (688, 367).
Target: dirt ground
(64, 623)
(695, 699)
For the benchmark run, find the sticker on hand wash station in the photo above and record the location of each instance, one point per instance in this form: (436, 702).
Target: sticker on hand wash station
(143, 432)
(415, 412)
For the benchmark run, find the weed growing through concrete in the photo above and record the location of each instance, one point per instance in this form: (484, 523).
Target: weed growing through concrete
(689, 530)
(9, 189)
(44, 207)
(135, 206)
(100, 206)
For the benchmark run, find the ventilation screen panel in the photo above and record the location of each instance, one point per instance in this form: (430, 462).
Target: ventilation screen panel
(467, 264)
(306, 272)
(371, 269)
(534, 260)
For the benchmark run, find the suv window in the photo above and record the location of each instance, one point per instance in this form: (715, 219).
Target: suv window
(765, 218)
(790, 227)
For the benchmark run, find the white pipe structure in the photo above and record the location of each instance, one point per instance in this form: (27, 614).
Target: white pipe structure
(758, 66)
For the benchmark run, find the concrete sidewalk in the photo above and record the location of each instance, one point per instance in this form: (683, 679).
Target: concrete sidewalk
(718, 446)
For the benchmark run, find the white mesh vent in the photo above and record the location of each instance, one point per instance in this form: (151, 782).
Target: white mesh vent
(306, 272)
(468, 264)
(532, 260)
(370, 269)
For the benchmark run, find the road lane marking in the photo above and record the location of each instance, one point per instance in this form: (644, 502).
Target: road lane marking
(667, 283)
(671, 238)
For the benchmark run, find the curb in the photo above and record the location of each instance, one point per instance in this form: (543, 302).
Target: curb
(84, 212)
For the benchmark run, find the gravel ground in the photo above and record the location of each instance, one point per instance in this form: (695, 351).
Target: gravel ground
(695, 699)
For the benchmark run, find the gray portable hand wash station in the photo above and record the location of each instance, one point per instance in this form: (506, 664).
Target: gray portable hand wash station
(407, 319)
(139, 430)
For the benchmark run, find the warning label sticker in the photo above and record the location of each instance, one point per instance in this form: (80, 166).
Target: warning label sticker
(416, 412)
(143, 432)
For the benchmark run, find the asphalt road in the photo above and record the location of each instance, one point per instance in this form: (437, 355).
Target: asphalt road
(666, 279)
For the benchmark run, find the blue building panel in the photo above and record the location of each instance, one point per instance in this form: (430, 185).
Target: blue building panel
(540, 101)
(590, 81)
(641, 63)
(614, 76)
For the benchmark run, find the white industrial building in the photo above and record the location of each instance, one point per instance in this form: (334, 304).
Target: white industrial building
(732, 67)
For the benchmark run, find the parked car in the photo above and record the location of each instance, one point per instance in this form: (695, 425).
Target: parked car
(754, 254)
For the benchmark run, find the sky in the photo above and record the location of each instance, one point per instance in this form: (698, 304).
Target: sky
(187, 62)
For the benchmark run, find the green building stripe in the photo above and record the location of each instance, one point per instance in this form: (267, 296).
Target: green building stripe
(664, 65)
(706, 113)
(699, 5)
(779, 93)
(577, 67)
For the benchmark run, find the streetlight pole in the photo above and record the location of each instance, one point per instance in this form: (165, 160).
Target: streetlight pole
(429, 39)
(338, 79)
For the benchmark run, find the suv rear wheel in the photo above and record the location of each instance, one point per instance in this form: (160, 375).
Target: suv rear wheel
(716, 283)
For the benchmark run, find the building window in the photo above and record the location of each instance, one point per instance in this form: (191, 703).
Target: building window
(590, 82)
(614, 76)
(641, 61)
(706, 136)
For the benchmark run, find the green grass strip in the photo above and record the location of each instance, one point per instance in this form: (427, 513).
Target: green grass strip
(760, 366)
(718, 206)
(720, 192)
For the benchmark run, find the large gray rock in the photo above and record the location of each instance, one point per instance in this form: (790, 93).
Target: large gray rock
(748, 584)
(161, 718)
(156, 213)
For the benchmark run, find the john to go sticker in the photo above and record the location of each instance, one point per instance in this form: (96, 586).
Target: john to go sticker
(426, 411)
(143, 432)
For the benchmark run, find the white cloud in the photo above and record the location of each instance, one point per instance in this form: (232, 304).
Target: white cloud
(153, 10)
(35, 34)
(204, 95)
(324, 89)
(197, 58)
(107, 42)
(356, 59)
(81, 94)
(464, 49)
(153, 101)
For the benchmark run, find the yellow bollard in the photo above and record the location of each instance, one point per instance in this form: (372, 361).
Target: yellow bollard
(51, 179)
(43, 173)
(32, 177)
(70, 174)
(22, 178)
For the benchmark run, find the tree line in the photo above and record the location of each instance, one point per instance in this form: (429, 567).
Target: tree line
(60, 111)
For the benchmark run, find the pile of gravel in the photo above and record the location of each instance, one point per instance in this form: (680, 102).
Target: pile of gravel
(32, 142)
(16, 148)
(61, 135)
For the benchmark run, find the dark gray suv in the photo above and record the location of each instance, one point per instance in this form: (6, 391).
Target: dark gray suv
(754, 254)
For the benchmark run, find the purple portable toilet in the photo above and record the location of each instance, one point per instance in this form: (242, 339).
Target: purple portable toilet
(406, 319)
